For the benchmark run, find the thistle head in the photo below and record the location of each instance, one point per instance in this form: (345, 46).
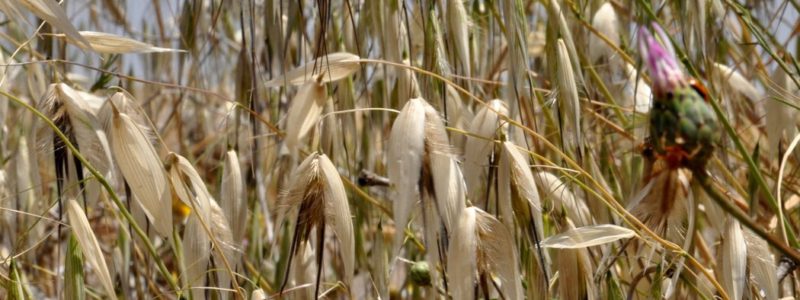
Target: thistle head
(660, 58)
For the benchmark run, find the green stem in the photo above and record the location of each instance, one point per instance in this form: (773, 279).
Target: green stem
(125, 213)
(705, 182)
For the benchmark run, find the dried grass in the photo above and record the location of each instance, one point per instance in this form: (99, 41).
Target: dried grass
(269, 160)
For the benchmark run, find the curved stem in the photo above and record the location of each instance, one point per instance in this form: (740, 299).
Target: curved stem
(705, 182)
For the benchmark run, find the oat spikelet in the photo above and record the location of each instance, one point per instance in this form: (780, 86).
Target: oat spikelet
(569, 103)
(513, 14)
(109, 43)
(477, 152)
(575, 265)
(142, 169)
(221, 231)
(304, 112)
(463, 253)
(448, 182)
(422, 168)
(303, 271)
(482, 247)
(459, 115)
(337, 212)
(778, 114)
(557, 17)
(733, 260)
(587, 236)
(122, 103)
(64, 104)
(207, 220)
(761, 266)
(406, 148)
(606, 22)
(24, 181)
(497, 246)
(737, 82)
(331, 67)
(234, 204)
(518, 188)
(189, 187)
(458, 28)
(449, 188)
(318, 196)
(51, 12)
(555, 189)
(92, 252)
(519, 203)
(636, 92)
(258, 294)
(196, 252)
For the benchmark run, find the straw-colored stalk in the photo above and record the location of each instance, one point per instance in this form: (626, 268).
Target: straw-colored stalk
(5, 200)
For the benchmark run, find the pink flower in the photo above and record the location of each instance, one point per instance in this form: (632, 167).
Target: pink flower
(661, 61)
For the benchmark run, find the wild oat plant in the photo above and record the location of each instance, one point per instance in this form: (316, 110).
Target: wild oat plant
(399, 149)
